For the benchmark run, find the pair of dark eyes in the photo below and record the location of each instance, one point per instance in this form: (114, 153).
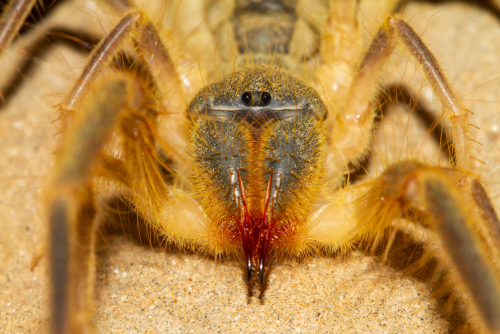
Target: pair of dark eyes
(247, 99)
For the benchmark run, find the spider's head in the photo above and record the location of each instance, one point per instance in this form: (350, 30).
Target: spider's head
(258, 95)
(257, 140)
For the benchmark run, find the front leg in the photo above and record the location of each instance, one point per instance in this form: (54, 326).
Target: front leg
(461, 216)
(118, 103)
(71, 203)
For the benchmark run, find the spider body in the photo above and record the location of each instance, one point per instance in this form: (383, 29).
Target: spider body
(248, 195)
(257, 141)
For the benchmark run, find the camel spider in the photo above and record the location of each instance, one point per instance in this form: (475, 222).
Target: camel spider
(461, 160)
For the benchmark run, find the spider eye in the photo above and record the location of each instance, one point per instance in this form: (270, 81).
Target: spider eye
(265, 98)
(246, 98)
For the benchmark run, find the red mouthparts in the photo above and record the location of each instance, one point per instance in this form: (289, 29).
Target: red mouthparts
(256, 234)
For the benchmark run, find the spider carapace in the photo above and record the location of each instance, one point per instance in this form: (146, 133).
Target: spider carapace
(257, 139)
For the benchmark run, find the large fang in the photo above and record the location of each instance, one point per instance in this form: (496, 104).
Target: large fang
(264, 240)
(256, 238)
(246, 230)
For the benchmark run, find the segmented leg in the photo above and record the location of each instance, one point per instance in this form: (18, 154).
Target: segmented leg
(72, 212)
(151, 48)
(462, 217)
(354, 123)
(153, 52)
(12, 19)
(468, 230)
(121, 104)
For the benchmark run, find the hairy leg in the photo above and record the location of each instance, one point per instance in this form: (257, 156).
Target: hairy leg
(12, 19)
(70, 199)
(153, 51)
(461, 213)
(89, 114)
(354, 123)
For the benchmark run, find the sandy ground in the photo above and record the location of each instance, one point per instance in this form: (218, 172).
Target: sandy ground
(140, 289)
